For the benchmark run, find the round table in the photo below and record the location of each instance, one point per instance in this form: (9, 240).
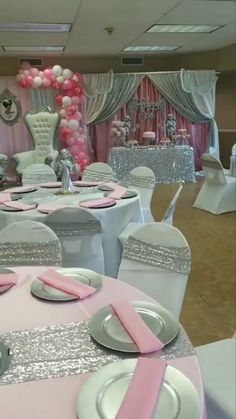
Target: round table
(56, 398)
(112, 219)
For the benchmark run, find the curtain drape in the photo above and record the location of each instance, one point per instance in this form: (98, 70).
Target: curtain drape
(124, 86)
(189, 104)
(96, 87)
(42, 97)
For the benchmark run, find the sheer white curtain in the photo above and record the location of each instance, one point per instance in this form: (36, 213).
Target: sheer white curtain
(201, 86)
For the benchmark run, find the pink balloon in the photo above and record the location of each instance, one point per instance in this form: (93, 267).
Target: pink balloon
(63, 113)
(74, 149)
(41, 74)
(26, 73)
(67, 85)
(75, 134)
(34, 72)
(47, 73)
(29, 79)
(81, 140)
(45, 82)
(75, 100)
(63, 123)
(70, 141)
(78, 116)
(81, 130)
(82, 155)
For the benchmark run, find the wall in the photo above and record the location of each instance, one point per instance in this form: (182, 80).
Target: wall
(222, 60)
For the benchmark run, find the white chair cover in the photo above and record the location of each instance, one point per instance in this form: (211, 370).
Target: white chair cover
(168, 216)
(218, 193)
(100, 172)
(233, 161)
(3, 167)
(80, 235)
(157, 260)
(217, 363)
(29, 243)
(38, 173)
(143, 179)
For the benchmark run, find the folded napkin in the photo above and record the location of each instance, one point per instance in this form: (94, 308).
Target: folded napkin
(144, 390)
(118, 192)
(19, 205)
(66, 284)
(8, 279)
(137, 329)
(4, 196)
(96, 203)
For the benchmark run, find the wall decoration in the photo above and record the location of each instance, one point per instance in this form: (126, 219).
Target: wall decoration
(10, 107)
(146, 108)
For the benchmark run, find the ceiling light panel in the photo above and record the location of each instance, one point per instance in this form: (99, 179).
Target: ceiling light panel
(183, 28)
(150, 48)
(35, 27)
(33, 48)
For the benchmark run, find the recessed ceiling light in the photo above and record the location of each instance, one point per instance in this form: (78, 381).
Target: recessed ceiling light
(184, 28)
(35, 27)
(33, 48)
(150, 48)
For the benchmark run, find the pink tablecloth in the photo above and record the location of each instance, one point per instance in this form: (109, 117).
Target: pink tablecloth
(56, 398)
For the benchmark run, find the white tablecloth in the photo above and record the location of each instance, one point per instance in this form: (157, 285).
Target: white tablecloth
(170, 164)
(113, 220)
(56, 398)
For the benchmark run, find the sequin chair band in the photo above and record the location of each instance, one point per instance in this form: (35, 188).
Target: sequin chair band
(177, 259)
(30, 253)
(76, 229)
(141, 181)
(92, 175)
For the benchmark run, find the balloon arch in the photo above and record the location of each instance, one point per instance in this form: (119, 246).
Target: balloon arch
(69, 88)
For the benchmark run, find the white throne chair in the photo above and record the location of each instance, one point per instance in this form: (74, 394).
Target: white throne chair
(43, 125)
(3, 168)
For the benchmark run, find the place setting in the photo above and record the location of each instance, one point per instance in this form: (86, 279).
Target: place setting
(116, 191)
(8, 279)
(66, 284)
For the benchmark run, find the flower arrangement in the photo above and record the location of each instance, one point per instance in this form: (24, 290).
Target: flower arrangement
(121, 129)
(182, 138)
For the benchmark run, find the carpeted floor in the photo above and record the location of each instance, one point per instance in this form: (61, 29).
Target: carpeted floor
(208, 312)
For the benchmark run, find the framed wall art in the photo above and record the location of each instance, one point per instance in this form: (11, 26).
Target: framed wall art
(10, 107)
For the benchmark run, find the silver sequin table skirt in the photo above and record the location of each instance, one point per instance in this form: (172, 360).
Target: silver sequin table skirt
(171, 164)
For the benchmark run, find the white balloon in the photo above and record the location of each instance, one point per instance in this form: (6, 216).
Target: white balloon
(37, 81)
(67, 74)
(73, 124)
(64, 123)
(57, 70)
(63, 112)
(60, 79)
(19, 77)
(66, 101)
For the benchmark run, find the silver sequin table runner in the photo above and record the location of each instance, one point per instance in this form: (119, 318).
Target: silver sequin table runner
(170, 164)
(62, 350)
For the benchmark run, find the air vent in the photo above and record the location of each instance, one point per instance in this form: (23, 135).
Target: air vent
(34, 62)
(132, 60)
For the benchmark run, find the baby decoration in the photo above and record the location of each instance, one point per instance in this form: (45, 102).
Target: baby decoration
(69, 89)
(182, 138)
(170, 126)
(10, 108)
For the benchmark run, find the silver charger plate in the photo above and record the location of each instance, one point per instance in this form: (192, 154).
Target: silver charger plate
(46, 292)
(107, 330)
(4, 358)
(9, 209)
(4, 288)
(127, 195)
(105, 188)
(103, 392)
(108, 205)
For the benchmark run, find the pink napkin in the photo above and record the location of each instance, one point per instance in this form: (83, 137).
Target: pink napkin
(4, 196)
(96, 203)
(19, 205)
(66, 284)
(137, 329)
(144, 390)
(8, 279)
(118, 192)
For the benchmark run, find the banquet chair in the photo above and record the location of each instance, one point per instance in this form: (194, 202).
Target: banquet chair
(218, 193)
(157, 260)
(143, 179)
(80, 235)
(29, 243)
(168, 216)
(3, 168)
(232, 169)
(99, 172)
(217, 363)
(43, 125)
(38, 173)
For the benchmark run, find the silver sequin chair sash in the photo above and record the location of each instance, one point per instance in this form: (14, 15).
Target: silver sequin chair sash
(177, 259)
(36, 178)
(93, 175)
(30, 253)
(76, 229)
(141, 181)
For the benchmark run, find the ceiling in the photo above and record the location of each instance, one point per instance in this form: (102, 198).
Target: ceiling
(130, 20)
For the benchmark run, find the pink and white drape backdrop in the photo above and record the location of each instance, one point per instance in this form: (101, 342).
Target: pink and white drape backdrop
(199, 133)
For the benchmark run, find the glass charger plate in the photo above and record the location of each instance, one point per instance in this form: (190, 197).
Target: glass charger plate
(127, 195)
(50, 185)
(101, 395)
(4, 288)
(4, 358)
(46, 292)
(84, 184)
(9, 209)
(105, 205)
(22, 189)
(107, 330)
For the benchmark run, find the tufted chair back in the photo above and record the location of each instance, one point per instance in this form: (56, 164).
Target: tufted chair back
(43, 126)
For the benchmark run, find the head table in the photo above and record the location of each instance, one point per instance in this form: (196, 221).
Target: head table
(170, 164)
(112, 219)
(55, 396)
